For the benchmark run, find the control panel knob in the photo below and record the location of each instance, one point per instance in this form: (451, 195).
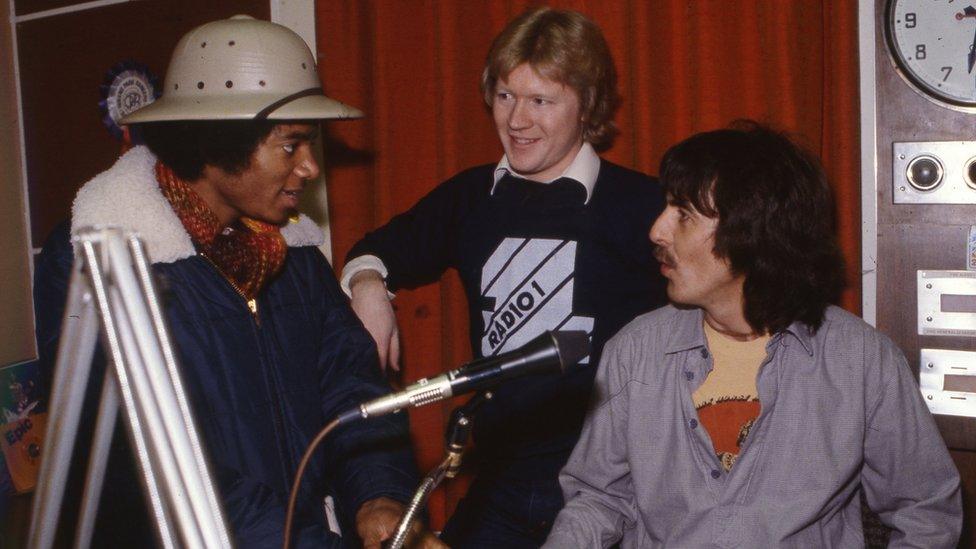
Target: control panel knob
(924, 172)
(970, 173)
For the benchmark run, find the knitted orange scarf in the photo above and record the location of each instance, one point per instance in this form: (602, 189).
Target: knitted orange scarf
(247, 254)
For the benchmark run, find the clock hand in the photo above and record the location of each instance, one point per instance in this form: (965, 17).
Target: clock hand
(969, 11)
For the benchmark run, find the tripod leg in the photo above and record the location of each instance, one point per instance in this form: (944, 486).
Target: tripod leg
(108, 408)
(197, 472)
(158, 405)
(159, 392)
(73, 368)
(117, 332)
(175, 475)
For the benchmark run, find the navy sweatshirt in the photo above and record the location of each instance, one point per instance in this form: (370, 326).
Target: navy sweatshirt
(532, 257)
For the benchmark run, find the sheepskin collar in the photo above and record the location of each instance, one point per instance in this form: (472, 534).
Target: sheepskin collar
(127, 195)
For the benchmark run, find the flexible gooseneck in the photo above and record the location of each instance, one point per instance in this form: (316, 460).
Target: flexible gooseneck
(456, 437)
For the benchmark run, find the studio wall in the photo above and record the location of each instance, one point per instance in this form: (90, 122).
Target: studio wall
(16, 311)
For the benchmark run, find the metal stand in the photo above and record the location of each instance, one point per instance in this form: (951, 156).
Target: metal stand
(456, 437)
(111, 285)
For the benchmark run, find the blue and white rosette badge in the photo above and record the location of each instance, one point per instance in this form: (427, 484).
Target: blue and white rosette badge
(128, 86)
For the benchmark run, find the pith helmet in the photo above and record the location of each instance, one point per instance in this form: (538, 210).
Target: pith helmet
(242, 69)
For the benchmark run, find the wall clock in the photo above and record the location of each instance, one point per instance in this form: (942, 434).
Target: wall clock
(933, 44)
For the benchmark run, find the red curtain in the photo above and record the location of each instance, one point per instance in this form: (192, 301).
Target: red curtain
(684, 66)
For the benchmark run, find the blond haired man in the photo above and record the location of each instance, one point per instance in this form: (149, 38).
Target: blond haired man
(550, 237)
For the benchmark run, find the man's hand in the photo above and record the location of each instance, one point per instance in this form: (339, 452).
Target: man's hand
(377, 519)
(372, 306)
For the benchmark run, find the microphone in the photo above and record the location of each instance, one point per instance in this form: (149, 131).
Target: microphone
(549, 352)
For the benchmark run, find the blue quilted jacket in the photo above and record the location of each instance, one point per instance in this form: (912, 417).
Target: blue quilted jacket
(261, 385)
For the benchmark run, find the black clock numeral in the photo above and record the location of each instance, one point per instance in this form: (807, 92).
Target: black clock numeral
(947, 71)
(910, 21)
(920, 51)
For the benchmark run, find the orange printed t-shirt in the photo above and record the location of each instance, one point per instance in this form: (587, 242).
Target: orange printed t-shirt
(728, 402)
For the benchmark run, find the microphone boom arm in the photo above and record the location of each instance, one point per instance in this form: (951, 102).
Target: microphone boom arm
(456, 439)
(549, 352)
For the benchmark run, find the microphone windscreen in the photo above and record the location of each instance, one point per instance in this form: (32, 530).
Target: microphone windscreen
(572, 346)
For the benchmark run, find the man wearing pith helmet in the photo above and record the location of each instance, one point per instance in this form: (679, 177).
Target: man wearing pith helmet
(268, 347)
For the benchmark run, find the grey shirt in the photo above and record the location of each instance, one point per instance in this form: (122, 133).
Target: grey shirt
(841, 411)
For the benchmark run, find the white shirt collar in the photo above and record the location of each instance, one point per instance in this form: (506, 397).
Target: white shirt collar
(585, 169)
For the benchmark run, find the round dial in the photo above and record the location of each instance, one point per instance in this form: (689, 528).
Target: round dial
(934, 44)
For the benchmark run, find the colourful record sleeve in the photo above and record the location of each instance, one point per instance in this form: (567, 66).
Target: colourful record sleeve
(23, 418)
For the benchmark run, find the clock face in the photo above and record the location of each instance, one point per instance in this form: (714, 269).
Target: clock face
(934, 44)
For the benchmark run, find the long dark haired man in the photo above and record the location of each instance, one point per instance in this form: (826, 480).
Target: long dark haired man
(751, 412)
